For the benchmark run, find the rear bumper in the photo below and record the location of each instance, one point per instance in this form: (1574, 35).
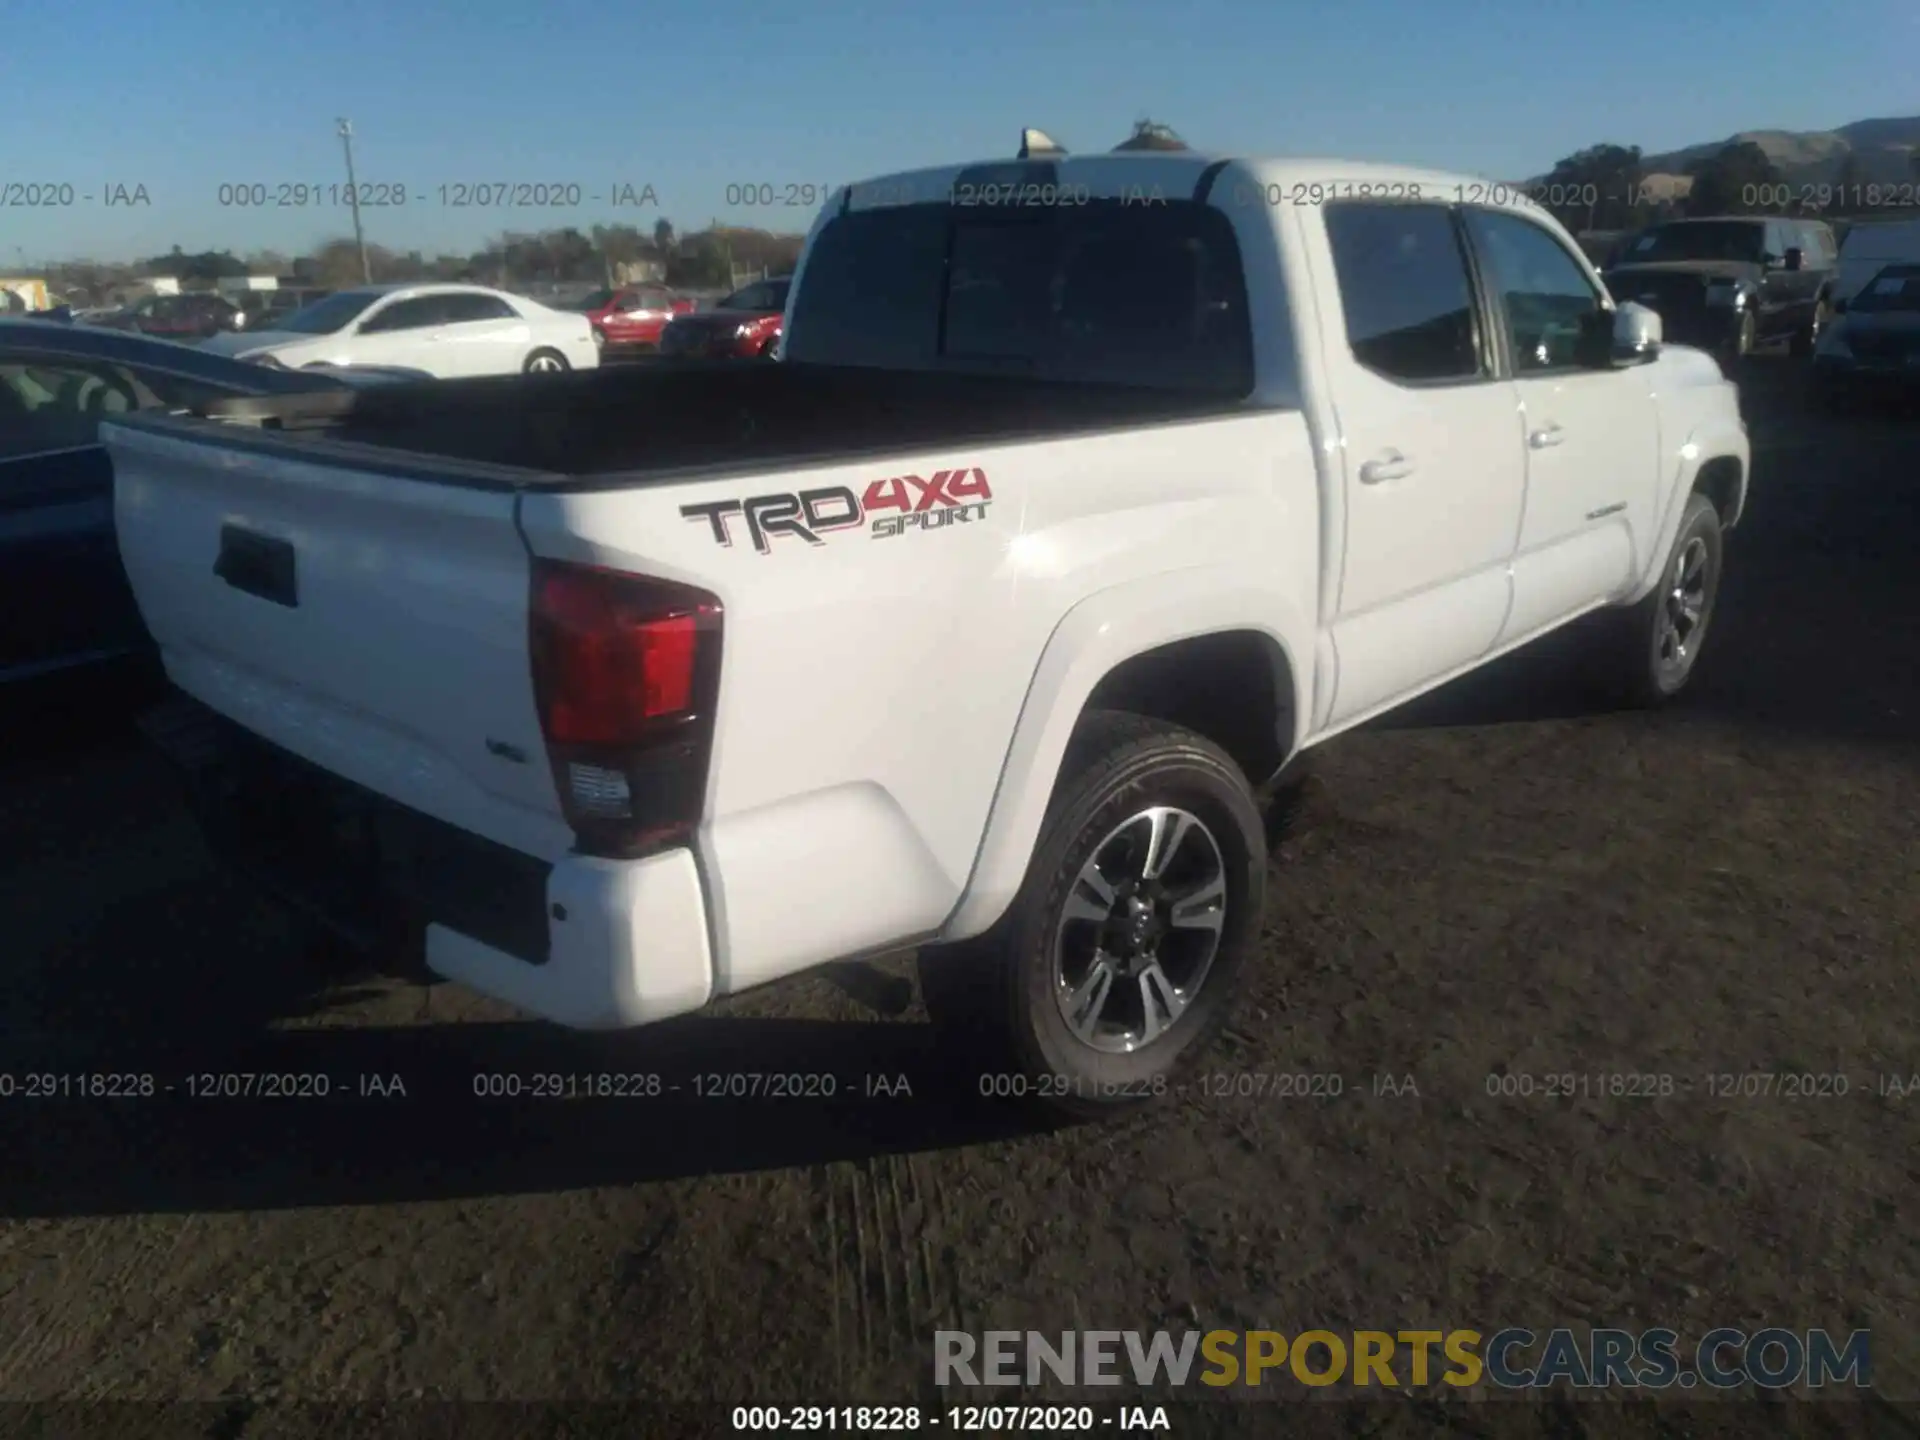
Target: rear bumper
(583, 942)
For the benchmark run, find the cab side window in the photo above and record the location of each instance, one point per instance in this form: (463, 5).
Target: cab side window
(1545, 292)
(1405, 291)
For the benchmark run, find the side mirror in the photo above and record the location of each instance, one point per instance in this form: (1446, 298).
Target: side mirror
(1637, 332)
(1796, 257)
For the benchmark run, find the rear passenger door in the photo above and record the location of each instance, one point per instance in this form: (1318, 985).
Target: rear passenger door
(402, 332)
(1592, 437)
(1430, 440)
(482, 334)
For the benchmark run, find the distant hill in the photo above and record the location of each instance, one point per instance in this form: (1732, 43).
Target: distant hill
(1885, 150)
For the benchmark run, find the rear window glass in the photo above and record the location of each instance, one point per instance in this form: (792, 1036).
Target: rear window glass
(1148, 295)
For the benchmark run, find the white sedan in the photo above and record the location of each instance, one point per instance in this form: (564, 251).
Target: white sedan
(445, 330)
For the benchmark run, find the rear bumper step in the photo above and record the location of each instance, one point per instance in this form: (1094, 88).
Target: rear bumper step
(372, 871)
(585, 942)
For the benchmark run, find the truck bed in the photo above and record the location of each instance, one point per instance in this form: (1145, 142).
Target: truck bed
(622, 425)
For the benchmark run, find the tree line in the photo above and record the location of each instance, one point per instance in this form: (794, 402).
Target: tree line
(702, 259)
(1604, 188)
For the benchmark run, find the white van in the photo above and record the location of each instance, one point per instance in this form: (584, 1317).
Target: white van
(1871, 246)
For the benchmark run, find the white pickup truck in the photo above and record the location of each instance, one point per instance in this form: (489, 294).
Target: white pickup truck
(1091, 490)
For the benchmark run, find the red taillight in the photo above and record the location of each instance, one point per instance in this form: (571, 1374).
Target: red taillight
(613, 654)
(625, 673)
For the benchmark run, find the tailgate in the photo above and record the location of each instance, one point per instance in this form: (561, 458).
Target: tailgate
(369, 620)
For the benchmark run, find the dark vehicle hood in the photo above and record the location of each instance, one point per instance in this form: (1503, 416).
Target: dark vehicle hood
(1891, 335)
(1708, 269)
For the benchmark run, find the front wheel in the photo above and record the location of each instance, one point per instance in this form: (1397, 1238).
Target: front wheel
(1118, 960)
(546, 362)
(1660, 639)
(1746, 334)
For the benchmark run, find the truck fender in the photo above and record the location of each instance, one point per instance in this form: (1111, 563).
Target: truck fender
(1719, 439)
(1099, 633)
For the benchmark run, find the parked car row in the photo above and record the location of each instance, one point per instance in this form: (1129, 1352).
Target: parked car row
(58, 381)
(445, 330)
(1731, 283)
(632, 316)
(744, 325)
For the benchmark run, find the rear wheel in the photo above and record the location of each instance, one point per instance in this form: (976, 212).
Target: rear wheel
(1117, 962)
(546, 362)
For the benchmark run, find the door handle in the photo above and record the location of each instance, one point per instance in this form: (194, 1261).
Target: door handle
(1546, 439)
(1390, 466)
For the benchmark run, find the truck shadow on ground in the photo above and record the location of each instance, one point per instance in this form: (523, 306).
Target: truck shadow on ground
(137, 957)
(450, 1112)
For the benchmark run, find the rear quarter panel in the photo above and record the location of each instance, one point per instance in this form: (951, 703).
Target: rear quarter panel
(872, 686)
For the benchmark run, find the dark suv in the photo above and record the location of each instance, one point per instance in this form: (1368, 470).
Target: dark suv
(1732, 282)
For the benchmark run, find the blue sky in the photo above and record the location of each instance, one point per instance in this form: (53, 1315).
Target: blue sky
(190, 94)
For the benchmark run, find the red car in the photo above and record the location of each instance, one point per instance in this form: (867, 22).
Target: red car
(194, 315)
(633, 317)
(744, 325)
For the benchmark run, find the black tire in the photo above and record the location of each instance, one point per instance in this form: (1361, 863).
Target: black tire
(1805, 339)
(1645, 671)
(1746, 335)
(994, 1001)
(545, 361)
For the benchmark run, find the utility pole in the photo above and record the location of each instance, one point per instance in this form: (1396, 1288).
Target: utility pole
(353, 200)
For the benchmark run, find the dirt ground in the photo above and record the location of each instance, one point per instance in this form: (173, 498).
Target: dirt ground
(1502, 880)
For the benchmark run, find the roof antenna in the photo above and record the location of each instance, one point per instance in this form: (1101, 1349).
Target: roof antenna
(1151, 135)
(1038, 142)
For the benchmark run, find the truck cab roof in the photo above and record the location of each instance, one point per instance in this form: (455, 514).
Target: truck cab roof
(1170, 175)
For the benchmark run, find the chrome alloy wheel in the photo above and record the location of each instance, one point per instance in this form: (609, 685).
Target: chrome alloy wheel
(1683, 610)
(1139, 931)
(545, 364)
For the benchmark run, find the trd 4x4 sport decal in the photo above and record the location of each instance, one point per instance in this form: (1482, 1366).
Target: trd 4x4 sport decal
(890, 507)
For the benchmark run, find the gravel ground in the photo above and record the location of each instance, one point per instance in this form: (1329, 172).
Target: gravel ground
(1501, 880)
